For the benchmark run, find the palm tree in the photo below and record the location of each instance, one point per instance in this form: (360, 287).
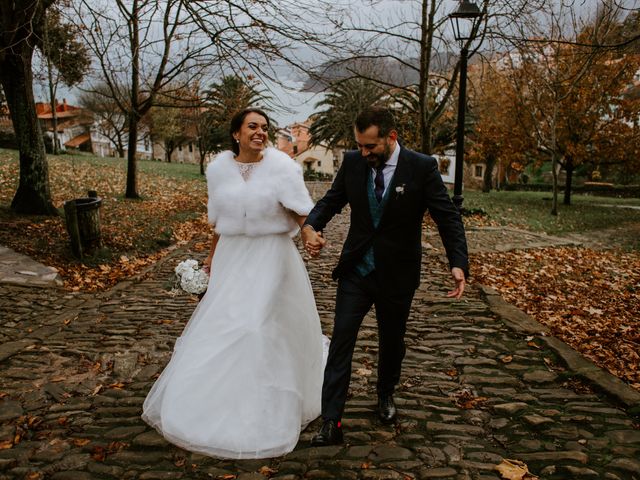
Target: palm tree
(223, 100)
(333, 126)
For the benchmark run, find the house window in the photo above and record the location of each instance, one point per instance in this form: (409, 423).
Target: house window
(295, 149)
(146, 143)
(179, 148)
(190, 147)
(319, 163)
(478, 170)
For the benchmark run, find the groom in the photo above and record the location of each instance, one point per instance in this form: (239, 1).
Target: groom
(388, 188)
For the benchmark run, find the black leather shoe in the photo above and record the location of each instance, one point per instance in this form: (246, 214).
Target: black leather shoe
(329, 434)
(387, 409)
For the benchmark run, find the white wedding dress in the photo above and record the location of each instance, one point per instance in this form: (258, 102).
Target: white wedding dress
(246, 374)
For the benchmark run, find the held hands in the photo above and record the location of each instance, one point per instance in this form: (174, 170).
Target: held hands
(312, 240)
(458, 277)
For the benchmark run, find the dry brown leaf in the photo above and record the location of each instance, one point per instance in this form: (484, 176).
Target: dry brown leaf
(514, 470)
(267, 471)
(99, 454)
(6, 444)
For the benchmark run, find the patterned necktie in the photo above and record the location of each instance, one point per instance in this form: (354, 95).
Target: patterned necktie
(379, 183)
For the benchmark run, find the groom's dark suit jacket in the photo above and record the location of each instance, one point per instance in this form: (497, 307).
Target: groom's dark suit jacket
(416, 187)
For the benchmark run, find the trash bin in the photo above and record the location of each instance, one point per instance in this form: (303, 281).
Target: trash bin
(83, 223)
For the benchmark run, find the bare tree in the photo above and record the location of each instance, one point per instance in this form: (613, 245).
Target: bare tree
(151, 46)
(66, 59)
(415, 40)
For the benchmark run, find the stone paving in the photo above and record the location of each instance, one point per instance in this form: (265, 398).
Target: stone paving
(482, 382)
(22, 270)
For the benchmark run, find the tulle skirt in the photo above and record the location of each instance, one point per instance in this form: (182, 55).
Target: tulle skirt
(245, 376)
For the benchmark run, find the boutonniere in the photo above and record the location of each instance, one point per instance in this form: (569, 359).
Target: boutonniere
(399, 190)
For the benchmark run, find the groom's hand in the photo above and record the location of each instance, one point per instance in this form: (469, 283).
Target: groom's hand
(458, 277)
(312, 240)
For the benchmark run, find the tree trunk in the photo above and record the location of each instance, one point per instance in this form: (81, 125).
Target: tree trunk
(52, 90)
(487, 180)
(33, 195)
(202, 157)
(118, 143)
(134, 116)
(567, 186)
(423, 85)
(132, 177)
(169, 147)
(554, 161)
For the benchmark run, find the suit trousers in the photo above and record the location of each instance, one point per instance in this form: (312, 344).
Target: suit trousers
(354, 298)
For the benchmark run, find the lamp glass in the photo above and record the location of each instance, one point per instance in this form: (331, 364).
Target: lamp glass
(463, 20)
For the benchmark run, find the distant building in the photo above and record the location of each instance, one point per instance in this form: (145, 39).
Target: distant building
(316, 160)
(73, 125)
(294, 139)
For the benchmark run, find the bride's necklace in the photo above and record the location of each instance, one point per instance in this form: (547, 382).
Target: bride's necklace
(246, 168)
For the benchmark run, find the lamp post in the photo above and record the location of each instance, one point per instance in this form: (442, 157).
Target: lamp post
(463, 22)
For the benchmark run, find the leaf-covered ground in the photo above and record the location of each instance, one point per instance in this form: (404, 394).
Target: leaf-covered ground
(589, 298)
(135, 233)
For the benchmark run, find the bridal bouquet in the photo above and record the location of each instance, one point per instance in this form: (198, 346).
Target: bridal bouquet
(191, 277)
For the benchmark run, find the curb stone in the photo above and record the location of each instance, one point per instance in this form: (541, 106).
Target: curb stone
(523, 323)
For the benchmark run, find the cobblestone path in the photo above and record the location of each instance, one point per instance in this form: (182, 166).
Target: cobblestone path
(480, 384)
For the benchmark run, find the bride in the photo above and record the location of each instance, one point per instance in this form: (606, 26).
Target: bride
(245, 376)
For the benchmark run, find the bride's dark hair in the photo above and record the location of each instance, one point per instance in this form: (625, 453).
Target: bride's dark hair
(238, 119)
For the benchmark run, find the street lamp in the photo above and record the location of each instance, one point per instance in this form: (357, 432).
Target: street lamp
(463, 22)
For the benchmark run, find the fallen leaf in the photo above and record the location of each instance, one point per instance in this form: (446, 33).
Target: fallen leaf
(507, 359)
(98, 454)
(514, 470)
(267, 471)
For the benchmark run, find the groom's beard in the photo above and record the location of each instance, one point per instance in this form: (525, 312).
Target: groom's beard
(374, 160)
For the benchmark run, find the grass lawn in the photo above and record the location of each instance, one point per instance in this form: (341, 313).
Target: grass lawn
(530, 210)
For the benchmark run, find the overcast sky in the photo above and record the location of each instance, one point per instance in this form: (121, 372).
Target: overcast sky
(297, 105)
